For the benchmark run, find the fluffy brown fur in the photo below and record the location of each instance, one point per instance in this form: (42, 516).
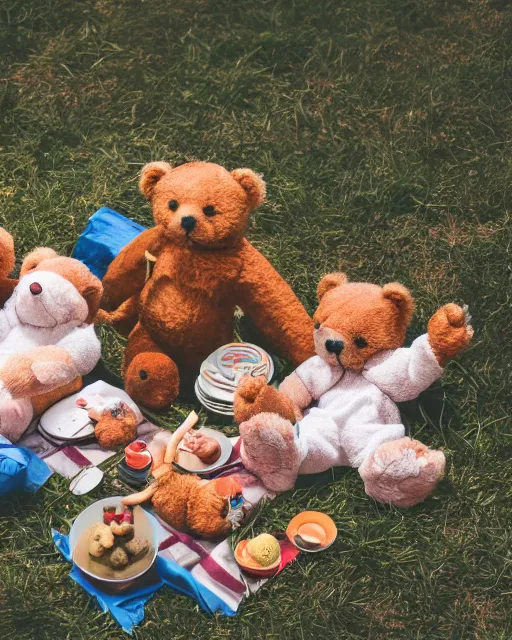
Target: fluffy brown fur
(191, 505)
(204, 268)
(115, 428)
(255, 396)
(7, 260)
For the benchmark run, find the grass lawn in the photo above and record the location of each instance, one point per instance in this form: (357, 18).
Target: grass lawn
(384, 129)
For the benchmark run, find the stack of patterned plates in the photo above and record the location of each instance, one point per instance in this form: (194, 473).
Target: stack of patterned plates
(222, 370)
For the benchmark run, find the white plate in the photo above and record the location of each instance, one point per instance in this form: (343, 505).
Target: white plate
(93, 514)
(87, 480)
(223, 409)
(67, 423)
(212, 399)
(231, 374)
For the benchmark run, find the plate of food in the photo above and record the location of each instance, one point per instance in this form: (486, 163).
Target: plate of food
(203, 450)
(112, 544)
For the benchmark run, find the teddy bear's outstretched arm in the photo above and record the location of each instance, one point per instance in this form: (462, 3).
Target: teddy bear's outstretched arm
(273, 306)
(126, 274)
(402, 374)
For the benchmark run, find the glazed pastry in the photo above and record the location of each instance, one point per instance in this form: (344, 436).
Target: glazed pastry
(119, 558)
(101, 539)
(205, 448)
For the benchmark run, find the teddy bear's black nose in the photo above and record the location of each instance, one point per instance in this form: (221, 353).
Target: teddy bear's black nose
(334, 346)
(188, 223)
(35, 288)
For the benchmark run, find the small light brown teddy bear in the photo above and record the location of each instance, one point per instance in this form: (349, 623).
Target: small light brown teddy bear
(348, 393)
(185, 501)
(204, 268)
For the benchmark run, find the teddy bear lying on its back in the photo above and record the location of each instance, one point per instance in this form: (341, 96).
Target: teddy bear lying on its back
(353, 382)
(46, 339)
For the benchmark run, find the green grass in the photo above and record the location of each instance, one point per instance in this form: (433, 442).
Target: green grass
(384, 131)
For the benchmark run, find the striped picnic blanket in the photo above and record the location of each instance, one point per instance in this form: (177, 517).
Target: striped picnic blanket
(204, 570)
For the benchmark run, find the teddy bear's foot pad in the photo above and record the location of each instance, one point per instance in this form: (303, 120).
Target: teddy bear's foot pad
(402, 472)
(270, 449)
(152, 380)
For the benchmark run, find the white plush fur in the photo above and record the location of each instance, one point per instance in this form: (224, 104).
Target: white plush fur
(356, 411)
(55, 317)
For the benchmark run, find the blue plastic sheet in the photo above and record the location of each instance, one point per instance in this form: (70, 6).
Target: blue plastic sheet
(20, 469)
(107, 232)
(127, 608)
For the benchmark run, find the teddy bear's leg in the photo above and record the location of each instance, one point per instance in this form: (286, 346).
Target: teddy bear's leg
(151, 377)
(253, 395)
(402, 472)
(15, 416)
(38, 371)
(42, 403)
(271, 450)
(449, 332)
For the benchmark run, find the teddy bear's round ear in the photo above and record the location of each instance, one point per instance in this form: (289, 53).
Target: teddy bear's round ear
(328, 282)
(150, 175)
(35, 257)
(402, 299)
(253, 185)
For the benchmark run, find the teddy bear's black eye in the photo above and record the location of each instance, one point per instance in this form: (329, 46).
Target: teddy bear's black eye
(360, 342)
(317, 325)
(173, 205)
(209, 210)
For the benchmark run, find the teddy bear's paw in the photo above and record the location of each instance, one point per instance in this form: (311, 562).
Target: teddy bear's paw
(250, 387)
(270, 450)
(254, 396)
(53, 374)
(450, 331)
(152, 380)
(402, 472)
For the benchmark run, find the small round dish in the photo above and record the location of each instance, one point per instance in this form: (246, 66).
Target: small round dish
(311, 531)
(250, 566)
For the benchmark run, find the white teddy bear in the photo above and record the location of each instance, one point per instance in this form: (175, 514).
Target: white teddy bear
(46, 336)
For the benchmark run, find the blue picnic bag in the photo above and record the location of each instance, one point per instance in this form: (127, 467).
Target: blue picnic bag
(20, 469)
(106, 233)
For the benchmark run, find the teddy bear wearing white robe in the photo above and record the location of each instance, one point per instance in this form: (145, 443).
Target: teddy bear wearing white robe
(345, 395)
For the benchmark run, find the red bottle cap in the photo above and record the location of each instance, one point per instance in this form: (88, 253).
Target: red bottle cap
(136, 455)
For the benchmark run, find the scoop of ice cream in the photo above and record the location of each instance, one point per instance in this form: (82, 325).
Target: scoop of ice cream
(264, 549)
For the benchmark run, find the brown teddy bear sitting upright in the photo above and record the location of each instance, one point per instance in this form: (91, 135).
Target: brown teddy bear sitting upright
(204, 268)
(359, 372)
